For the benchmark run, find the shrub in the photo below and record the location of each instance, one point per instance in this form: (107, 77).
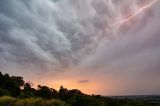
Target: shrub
(39, 102)
(7, 101)
(30, 102)
(55, 102)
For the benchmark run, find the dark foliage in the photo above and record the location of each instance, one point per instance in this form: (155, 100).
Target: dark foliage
(46, 92)
(11, 84)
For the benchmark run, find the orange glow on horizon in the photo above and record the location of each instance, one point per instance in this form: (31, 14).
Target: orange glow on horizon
(88, 88)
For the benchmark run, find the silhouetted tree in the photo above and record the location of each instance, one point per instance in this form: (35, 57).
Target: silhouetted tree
(11, 84)
(63, 93)
(18, 80)
(46, 92)
(28, 91)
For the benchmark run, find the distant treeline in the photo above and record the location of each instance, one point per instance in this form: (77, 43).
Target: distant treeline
(14, 91)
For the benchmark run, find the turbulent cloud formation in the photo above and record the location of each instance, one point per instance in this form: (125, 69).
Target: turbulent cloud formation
(54, 37)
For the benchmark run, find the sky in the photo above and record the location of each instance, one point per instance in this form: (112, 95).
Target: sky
(106, 47)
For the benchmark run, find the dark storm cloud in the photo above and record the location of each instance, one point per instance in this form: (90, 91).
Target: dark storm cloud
(49, 36)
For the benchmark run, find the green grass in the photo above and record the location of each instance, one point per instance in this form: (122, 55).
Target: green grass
(9, 101)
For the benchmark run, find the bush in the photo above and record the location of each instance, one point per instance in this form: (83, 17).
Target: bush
(39, 102)
(54, 102)
(7, 101)
(28, 102)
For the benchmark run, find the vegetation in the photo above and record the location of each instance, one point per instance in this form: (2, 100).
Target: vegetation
(10, 101)
(14, 91)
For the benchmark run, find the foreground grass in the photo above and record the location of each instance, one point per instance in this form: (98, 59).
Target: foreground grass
(9, 101)
(75, 101)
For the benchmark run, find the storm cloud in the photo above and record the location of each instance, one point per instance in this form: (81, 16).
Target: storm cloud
(51, 38)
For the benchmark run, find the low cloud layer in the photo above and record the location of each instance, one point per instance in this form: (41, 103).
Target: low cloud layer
(51, 38)
(83, 81)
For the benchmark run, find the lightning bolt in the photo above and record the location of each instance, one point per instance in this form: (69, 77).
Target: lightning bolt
(148, 5)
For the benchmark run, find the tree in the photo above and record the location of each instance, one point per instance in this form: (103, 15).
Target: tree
(63, 93)
(4, 92)
(46, 92)
(11, 84)
(18, 80)
(28, 91)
